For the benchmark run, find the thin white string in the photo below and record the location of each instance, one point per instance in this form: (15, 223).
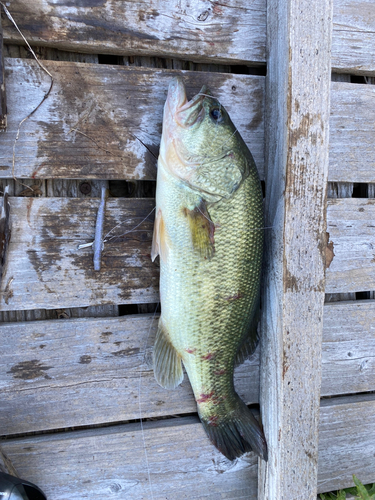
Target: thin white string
(86, 245)
(140, 405)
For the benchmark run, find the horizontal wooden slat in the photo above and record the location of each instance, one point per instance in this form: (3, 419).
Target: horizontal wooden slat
(46, 270)
(346, 442)
(348, 357)
(82, 372)
(351, 150)
(351, 228)
(213, 32)
(199, 31)
(111, 463)
(118, 109)
(91, 371)
(180, 460)
(353, 37)
(113, 104)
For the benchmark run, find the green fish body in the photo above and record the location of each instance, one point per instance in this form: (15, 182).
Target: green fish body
(209, 235)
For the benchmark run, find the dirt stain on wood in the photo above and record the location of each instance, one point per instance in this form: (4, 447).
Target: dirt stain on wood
(85, 360)
(126, 352)
(29, 370)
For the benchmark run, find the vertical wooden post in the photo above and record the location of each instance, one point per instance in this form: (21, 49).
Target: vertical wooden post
(297, 117)
(3, 100)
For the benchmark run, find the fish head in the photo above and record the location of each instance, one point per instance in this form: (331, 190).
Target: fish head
(200, 145)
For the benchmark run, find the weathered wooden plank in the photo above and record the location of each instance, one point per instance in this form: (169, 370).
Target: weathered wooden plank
(219, 32)
(351, 151)
(3, 99)
(353, 37)
(346, 442)
(348, 349)
(350, 223)
(181, 463)
(199, 31)
(180, 460)
(47, 149)
(57, 374)
(296, 128)
(46, 269)
(99, 120)
(84, 372)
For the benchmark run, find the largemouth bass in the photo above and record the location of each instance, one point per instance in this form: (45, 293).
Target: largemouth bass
(209, 235)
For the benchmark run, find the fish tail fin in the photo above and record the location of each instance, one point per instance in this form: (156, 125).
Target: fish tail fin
(237, 432)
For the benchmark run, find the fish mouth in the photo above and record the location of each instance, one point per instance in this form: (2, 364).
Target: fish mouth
(185, 113)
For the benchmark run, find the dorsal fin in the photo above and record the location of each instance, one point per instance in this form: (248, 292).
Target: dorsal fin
(202, 230)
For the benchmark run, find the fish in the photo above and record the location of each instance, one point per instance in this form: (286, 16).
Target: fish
(208, 233)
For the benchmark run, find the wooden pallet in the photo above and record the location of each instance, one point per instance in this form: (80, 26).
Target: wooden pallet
(75, 388)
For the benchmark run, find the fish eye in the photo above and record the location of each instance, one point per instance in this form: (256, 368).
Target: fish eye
(216, 114)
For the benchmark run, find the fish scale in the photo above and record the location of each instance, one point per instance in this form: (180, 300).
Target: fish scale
(209, 234)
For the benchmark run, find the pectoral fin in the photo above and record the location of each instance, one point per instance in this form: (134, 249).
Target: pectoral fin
(159, 240)
(167, 362)
(202, 230)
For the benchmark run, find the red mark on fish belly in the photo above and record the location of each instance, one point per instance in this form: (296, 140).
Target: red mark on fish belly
(190, 350)
(208, 356)
(231, 298)
(220, 372)
(213, 420)
(205, 398)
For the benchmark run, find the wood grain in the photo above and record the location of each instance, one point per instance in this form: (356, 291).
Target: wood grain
(116, 104)
(111, 462)
(181, 462)
(99, 120)
(350, 224)
(346, 442)
(353, 37)
(46, 269)
(70, 373)
(200, 31)
(296, 128)
(351, 151)
(3, 98)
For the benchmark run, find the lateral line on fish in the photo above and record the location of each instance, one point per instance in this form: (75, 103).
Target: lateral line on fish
(140, 404)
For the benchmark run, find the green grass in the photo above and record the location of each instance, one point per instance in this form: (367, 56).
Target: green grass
(360, 492)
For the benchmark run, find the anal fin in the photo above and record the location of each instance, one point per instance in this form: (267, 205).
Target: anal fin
(167, 362)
